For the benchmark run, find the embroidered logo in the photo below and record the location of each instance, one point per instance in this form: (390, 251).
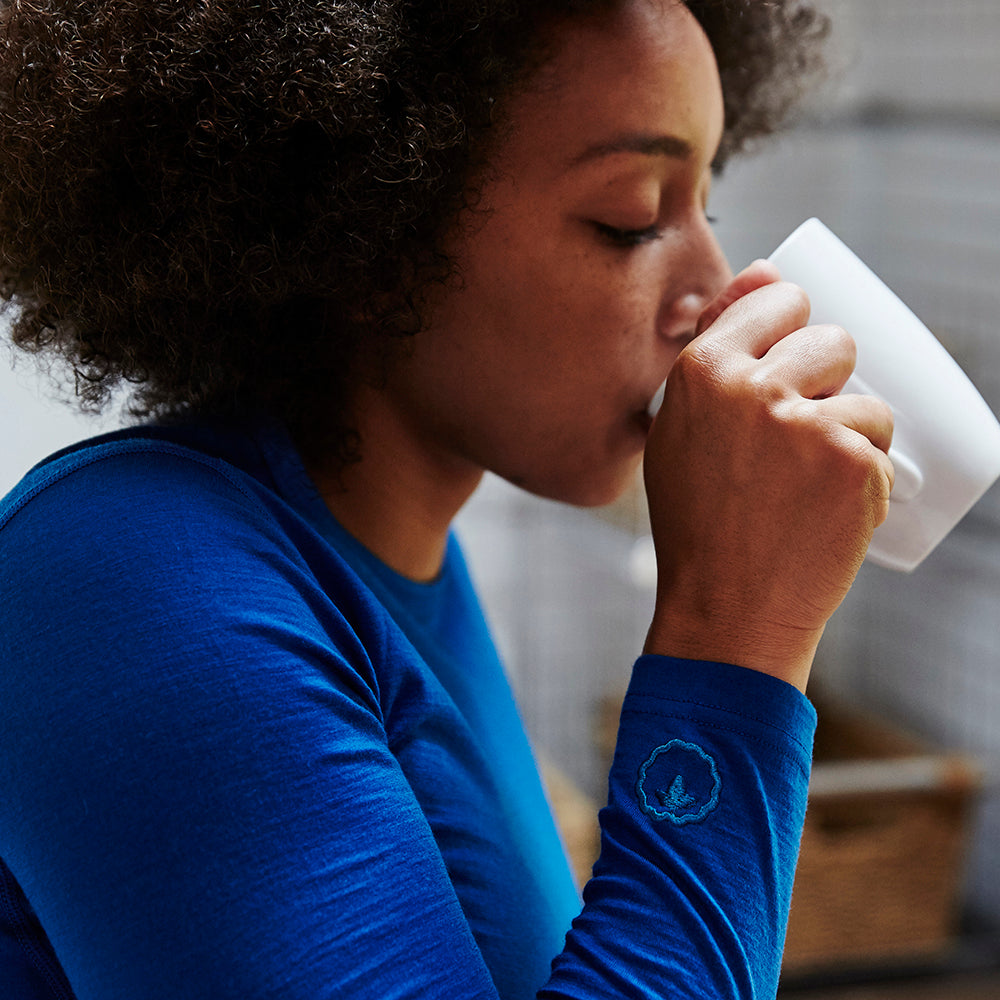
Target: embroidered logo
(679, 782)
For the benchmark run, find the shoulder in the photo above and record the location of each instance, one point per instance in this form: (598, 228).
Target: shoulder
(138, 548)
(131, 510)
(138, 532)
(119, 470)
(133, 515)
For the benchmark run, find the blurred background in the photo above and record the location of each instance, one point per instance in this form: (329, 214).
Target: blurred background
(899, 153)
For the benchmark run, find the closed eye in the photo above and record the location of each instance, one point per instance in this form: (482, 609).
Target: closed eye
(628, 237)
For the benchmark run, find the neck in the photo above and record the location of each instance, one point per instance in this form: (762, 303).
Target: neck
(400, 498)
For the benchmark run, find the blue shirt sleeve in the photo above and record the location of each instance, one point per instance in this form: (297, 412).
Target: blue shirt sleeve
(699, 839)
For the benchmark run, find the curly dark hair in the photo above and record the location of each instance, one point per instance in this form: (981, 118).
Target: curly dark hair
(223, 202)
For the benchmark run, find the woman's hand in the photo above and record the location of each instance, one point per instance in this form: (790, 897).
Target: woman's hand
(764, 484)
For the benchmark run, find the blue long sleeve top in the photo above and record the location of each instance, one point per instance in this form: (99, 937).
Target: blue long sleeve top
(240, 757)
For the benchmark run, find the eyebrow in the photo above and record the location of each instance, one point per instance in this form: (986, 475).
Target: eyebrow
(648, 145)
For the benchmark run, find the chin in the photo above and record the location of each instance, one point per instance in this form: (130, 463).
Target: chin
(590, 489)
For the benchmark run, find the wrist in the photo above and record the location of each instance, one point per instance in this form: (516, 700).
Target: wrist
(784, 653)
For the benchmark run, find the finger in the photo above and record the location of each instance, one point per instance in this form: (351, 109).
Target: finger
(752, 277)
(866, 415)
(816, 361)
(756, 321)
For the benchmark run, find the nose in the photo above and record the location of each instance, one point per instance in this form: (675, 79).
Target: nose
(703, 272)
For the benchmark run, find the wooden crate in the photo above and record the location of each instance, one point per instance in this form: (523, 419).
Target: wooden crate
(879, 873)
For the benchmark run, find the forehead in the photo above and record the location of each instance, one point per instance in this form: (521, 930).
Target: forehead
(643, 68)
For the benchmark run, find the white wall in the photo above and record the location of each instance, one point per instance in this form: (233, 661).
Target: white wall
(33, 421)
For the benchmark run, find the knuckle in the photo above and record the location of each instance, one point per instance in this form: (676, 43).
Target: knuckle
(837, 337)
(698, 362)
(865, 474)
(762, 382)
(796, 298)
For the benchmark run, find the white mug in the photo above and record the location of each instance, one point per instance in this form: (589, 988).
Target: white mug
(946, 443)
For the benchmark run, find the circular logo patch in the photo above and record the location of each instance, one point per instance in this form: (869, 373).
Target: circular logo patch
(679, 782)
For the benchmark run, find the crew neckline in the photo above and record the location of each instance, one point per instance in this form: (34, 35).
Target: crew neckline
(300, 490)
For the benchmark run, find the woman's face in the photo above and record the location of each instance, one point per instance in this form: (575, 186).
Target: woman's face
(583, 268)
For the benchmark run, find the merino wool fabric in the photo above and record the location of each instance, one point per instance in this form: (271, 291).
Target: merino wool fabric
(240, 757)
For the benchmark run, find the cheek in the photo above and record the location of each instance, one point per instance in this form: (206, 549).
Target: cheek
(533, 302)
(621, 320)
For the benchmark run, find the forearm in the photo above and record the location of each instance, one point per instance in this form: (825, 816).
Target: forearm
(699, 840)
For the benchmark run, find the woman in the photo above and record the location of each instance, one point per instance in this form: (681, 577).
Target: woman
(256, 738)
